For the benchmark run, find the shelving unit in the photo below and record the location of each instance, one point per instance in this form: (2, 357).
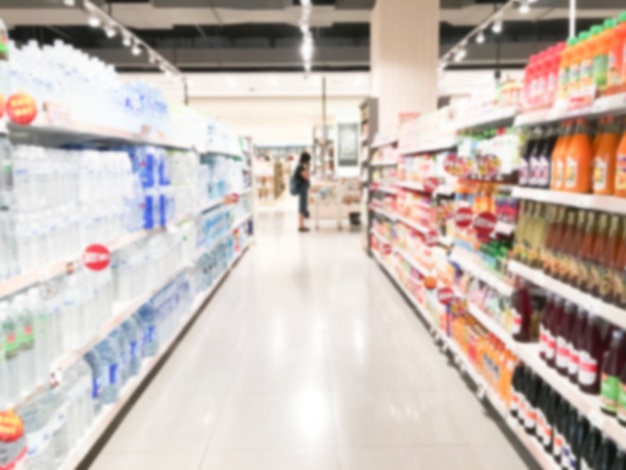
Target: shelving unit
(430, 147)
(612, 204)
(368, 128)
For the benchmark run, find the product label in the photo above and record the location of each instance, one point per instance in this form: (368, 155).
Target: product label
(524, 173)
(586, 73)
(621, 403)
(564, 83)
(588, 369)
(550, 345)
(543, 170)
(574, 80)
(11, 339)
(615, 78)
(516, 323)
(514, 408)
(557, 448)
(574, 362)
(562, 353)
(620, 172)
(560, 170)
(601, 71)
(113, 374)
(566, 453)
(609, 392)
(571, 172)
(599, 174)
(544, 431)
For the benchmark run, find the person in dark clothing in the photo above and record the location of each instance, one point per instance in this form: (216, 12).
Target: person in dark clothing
(302, 176)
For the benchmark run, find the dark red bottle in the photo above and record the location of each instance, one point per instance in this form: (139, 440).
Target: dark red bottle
(544, 327)
(578, 332)
(555, 324)
(522, 313)
(563, 338)
(591, 353)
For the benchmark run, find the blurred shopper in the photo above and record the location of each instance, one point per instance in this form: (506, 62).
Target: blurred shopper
(300, 182)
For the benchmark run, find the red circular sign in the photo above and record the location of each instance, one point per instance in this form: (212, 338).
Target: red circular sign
(445, 295)
(463, 217)
(431, 184)
(485, 223)
(97, 257)
(22, 109)
(430, 282)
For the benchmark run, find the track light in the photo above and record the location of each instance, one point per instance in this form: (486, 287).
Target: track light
(94, 21)
(497, 27)
(69, 3)
(136, 50)
(307, 66)
(460, 55)
(127, 41)
(524, 7)
(480, 38)
(110, 31)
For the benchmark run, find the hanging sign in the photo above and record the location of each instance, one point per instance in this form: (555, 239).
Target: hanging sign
(445, 295)
(463, 217)
(431, 184)
(97, 257)
(22, 109)
(485, 223)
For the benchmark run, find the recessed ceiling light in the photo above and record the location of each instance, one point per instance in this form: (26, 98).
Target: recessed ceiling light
(94, 21)
(136, 50)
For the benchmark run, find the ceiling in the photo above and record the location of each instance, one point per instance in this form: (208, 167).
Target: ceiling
(263, 35)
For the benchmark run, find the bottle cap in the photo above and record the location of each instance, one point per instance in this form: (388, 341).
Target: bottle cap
(610, 24)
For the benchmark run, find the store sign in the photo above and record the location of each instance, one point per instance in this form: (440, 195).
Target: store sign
(430, 282)
(463, 217)
(22, 109)
(485, 223)
(431, 184)
(97, 257)
(431, 238)
(445, 295)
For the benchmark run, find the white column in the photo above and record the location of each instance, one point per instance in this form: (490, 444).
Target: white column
(404, 53)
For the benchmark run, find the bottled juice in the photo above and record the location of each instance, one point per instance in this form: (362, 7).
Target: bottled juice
(555, 236)
(612, 367)
(616, 56)
(572, 268)
(545, 335)
(578, 331)
(595, 268)
(585, 253)
(564, 70)
(522, 314)
(554, 327)
(620, 168)
(577, 176)
(590, 448)
(601, 47)
(558, 156)
(604, 159)
(559, 429)
(608, 271)
(554, 63)
(606, 455)
(589, 47)
(575, 69)
(621, 398)
(577, 441)
(591, 353)
(563, 339)
(561, 269)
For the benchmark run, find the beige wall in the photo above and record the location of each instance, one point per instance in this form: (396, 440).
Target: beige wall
(404, 49)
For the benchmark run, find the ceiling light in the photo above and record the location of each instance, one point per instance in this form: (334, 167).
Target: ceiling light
(497, 27)
(480, 38)
(307, 66)
(231, 82)
(168, 73)
(136, 50)
(127, 41)
(307, 51)
(460, 55)
(152, 59)
(274, 82)
(524, 8)
(69, 3)
(110, 31)
(94, 21)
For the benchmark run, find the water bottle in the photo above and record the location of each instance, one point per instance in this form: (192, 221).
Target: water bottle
(26, 338)
(98, 378)
(150, 343)
(10, 326)
(107, 350)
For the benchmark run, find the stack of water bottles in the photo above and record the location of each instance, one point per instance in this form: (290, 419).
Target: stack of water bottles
(56, 201)
(145, 265)
(215, 244)
(184, 168)
(59, 73)
(43, 323)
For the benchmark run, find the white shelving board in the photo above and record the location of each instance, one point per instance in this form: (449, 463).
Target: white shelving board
(431, 147)
(379, 237)
(382, 164)
(495, 117)
(108, 415)
(389, 215)
(414, 225)
(611, 204)
(409, 259)
(383, 143)
(475, 270)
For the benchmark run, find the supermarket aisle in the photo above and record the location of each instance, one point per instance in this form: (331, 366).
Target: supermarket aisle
(307, 359)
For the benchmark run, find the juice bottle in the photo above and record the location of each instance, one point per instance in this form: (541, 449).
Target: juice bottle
(544, 329)
(604, 159)
(578, 334)
(550, 266)
(605, 456)
(554, 327)
(612, 366)
(583, 257)
(529, 150)
(564, 70)
(554, 72)
(563, 339)
(558, 156)
(553, 406)
(575, 68)
(620, 168)
(572, 268)
(577, 177)
(621, 398)
(591, 353)
(522, 314)
(545, 158)
(620, 461)
(515, 390)
(616, 55)
(609, 277)
(532, 399)
(577, 441)
(561, 271)
(601, 48)
(595, 268)
(559, 430)
(587, 49)
(571, 426)
(535, 157)
(542, 427)
(590, 448)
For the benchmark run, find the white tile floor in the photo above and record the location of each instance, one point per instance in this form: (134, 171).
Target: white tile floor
(308, 358)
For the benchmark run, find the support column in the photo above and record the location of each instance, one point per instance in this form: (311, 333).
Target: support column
(404, 58)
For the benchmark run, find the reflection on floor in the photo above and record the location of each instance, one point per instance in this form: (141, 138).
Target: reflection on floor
(308, 359)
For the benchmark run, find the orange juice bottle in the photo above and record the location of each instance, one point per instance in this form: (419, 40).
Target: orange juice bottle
(575, 67)
(620, 169)
(604, 159)
(616, 56)
(564, 69)
(601, 56)
(558, 157)
(586, 51)
(577, 171)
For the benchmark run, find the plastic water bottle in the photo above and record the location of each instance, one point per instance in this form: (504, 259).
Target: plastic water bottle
(12, 351)
(26, 335)
(133, 337)
(107, 350)
(73, 313)
(43, 355)
(98, 378)
(150, 343)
